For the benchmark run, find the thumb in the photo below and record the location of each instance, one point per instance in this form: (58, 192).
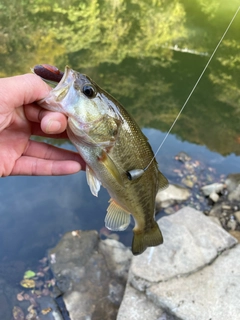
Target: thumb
(20, 90)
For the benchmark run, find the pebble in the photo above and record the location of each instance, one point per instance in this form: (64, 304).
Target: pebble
(214, 187)
(171, 195)
(232, 181)
(237, 216)
(189, 181)
(214, 196)
(182, 157)
(232, 224)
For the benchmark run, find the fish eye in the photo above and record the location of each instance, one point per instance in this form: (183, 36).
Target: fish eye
(89, 91)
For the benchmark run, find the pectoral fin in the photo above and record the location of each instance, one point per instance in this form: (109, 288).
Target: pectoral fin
(117, 219)
(111, 167)
(162, 181)
(93, 182)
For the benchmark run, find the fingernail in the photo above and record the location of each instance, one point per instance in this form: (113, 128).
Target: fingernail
(53, 126)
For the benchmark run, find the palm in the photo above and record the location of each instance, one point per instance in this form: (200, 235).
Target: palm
(21, 156)
(14, 141)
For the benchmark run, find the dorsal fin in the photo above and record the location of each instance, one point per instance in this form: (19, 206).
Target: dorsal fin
(162, 181)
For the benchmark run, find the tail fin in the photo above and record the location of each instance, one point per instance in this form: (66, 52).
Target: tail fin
(151, 238)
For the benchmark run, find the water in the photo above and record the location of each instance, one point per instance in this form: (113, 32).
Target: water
(149, 60)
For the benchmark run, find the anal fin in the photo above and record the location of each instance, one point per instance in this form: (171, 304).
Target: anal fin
(117, 219)
(93, 182)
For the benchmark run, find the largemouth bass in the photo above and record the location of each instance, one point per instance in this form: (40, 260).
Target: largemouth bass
(113, 147)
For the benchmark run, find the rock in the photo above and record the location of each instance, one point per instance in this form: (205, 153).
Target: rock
(211, 293)
(216, 211)
(232, 224)
(232, 181)
(227, 213)
(215, 220)
(172, 194)
(188, 275)
(191, 241)
(91, 279)
(117, 257)
(214, 187)
(189, 181)
(214, 196)
(182, 157)
(237, 216)
(210, 188)
(235, 195)
(235, 234)
(136, 306)
(48, 303)
(169, 210)
(233, 186)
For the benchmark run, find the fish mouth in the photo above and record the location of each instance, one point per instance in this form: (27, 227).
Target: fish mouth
(65, 76)
(55, 101)
(62, 88)
(52, 75)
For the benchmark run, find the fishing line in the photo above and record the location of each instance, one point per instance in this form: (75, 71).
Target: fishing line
(193, 89)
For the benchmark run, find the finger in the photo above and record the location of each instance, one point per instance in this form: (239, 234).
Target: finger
(48, 152)
(29, 166)
(34, 112)
(51, 122)
(24, 89)
(54, 123)
(37, 131)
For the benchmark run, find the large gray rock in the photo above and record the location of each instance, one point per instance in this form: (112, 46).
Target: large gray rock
(212, 293)
(91, 280)
(191, 241)
(194, 275)
(136, 306)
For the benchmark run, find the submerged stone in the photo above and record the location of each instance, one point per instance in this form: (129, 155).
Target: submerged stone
(91, 274)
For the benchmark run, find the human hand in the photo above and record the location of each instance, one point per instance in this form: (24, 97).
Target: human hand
(21, 117)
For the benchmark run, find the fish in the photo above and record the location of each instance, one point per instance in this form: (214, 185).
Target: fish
(118, 155)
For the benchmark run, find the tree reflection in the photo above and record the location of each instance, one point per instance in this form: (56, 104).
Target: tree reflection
(127, 46)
